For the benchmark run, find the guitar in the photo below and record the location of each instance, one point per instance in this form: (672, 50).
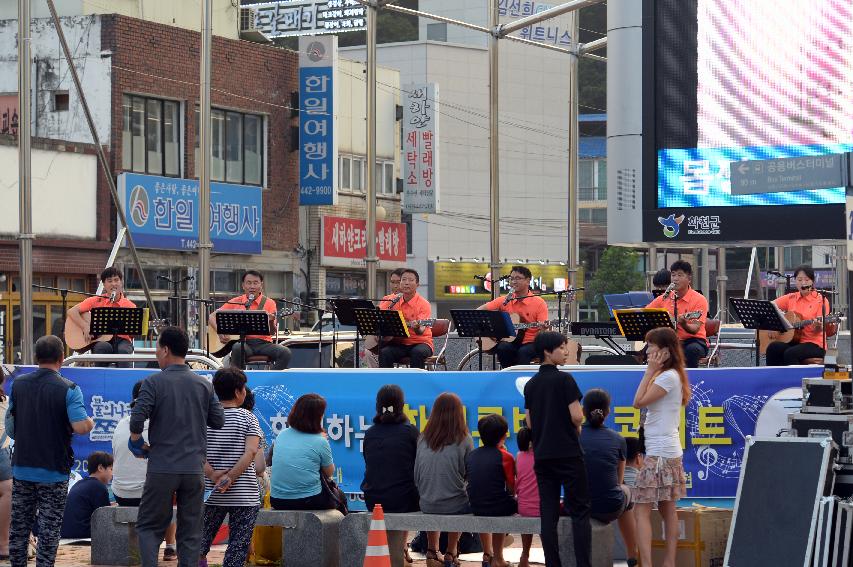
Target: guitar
(77, 336)
(371, 342)
(489, 343)
(688, 315)
(795, 333)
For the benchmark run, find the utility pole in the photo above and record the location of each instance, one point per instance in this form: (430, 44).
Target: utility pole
(25, 205)
(204, 135)
(370, 254)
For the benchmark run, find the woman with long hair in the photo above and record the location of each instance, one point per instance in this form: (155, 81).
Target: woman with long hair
(663, 391)
(605, 453)
(440, 471)
(390, 447)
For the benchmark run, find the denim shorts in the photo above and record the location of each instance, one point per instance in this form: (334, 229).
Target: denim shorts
(5, 464)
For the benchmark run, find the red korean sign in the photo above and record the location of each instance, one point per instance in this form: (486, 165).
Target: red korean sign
(344, 242)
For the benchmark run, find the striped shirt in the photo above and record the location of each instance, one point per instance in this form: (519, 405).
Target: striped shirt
(224, 448)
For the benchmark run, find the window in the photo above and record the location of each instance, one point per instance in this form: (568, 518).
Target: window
(390, 184)
(237, 147)
(344, 180)
(60, 101)
(407, 220)
(151, 130)
(357, 179)
(592, 180)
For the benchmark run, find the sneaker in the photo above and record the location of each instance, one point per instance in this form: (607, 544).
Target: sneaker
(170, 554)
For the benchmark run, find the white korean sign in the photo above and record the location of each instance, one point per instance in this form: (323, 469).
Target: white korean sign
(420, 149)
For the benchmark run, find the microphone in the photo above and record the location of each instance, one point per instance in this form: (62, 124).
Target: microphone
(113, 296)
(503, 278)
(509, 297)
(669, 290)
(395, 301)
(775, 273)
(481, 278)
(249, 300)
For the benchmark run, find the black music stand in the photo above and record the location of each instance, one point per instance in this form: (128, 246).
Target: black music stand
(118, 320)
(344, 309)
(242, 322)
(635, 323)
(479, 323)
(761, 315)
(381, 322)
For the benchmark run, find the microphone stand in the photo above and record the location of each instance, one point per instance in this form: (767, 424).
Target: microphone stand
(176, 291)
(205, 303)
(320, 311)
(64, 293)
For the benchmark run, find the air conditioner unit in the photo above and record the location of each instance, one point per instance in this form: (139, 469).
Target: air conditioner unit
(248, 30)
(247, 19)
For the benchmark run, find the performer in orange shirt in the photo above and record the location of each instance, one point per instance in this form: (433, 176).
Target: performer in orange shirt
(113, 296)
(691, 331)
(263, 345)
(418, 346)
(529, 307)
(371, 359)
(807, 303)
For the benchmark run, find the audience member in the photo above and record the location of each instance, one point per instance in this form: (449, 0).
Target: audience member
(86, 496)
(440, 471)
(179, 406)
(605, 456)
(390, 447)
(45, 409)
(526, 489)
(490, 471)
(664, 389)
(230, 471)
(302, 453)
(5, 476)
(554, 415)
(633, 461)
(129, 473)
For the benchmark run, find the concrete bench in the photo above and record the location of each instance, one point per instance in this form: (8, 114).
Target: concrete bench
(354, 529)
(309, 538)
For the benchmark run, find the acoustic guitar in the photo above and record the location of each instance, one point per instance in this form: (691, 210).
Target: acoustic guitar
(489, 343)
(795, 333)
(371, 342)
(77, 336)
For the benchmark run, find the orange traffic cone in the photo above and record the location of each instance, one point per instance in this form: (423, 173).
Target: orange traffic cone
(376, 554)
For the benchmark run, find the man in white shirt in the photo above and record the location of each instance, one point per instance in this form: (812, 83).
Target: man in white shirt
(129, 473)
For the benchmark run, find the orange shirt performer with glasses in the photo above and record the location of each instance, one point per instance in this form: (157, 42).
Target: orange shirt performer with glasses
(529, 308)
(418, 346)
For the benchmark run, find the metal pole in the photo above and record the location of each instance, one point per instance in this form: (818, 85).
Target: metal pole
(102, 157)
(779, 261)
(722, 286)
(595, 45)
(25, 205)
(370, 255)
(574, 109)
(494, 148)
(651, 269)
(573, 6)
(204, 137)
(705, 271)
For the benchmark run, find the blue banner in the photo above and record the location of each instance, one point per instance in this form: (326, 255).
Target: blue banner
(317, 149)
(162, 213)
(727, 405)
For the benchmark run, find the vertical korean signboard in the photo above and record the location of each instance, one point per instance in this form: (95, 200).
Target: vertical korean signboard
(318, 150)
(420, 149)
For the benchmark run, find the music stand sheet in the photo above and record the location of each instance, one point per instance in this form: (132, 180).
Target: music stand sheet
(119, 320)
(759, 314)
(381, 322)
(250, 322)
(482, 323)
(635, 323)
(345, 309)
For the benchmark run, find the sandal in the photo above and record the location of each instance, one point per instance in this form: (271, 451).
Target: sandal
(407, 556)
(451, 560)
(432, 559)
(487, 560)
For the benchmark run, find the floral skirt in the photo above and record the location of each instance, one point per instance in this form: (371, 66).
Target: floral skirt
(660, 480)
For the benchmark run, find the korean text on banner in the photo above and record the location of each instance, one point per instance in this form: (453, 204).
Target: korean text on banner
(344, 242)
(420, 148)
(318, 150)
(727, 405)
(163, 213)
(288, 18)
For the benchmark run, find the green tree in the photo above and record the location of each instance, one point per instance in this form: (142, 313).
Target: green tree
(617, 273)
